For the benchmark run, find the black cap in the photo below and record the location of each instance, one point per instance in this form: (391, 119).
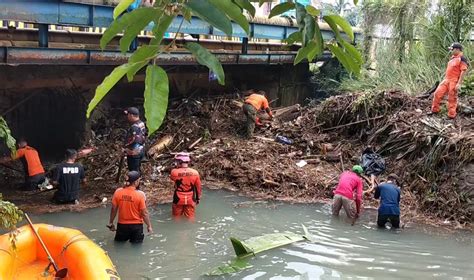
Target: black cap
(70, 153)
(133, 176)
(456, 45)
(133, 111)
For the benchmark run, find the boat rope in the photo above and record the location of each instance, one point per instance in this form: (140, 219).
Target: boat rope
(7, 251)
(72, 241)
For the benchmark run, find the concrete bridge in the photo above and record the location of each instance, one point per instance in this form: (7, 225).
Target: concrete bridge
(41, 45)
(51, 63)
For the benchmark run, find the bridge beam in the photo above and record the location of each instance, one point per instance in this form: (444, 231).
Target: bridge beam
(56, 12)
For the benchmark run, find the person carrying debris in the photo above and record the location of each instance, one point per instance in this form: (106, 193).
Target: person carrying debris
(187, 182)
(68, 178)
(455, 71)
(254, 103)
(34, 171)
(130, 203)
(135, 139)
(348, 193)
(389, 194)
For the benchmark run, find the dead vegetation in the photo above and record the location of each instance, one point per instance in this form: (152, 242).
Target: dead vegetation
(433, 155)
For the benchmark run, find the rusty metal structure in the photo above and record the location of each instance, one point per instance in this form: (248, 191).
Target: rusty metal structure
(42, 45)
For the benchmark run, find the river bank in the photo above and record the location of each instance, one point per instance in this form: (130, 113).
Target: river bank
(432, 155)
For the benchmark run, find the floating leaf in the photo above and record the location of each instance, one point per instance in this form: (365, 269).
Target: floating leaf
(156, 97)
(204, 57)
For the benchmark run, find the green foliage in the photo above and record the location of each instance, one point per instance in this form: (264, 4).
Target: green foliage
(281, 8)
(467, 87)
(220, 14)
(233, 12)
(334, 21)
(156, 96)
(204, 57)
(108, 83)
(10, 215)
(210, 13)
(6, 135)
(416, 57)
(246, 5)
(131, 24)
(161, 25)
(122, 7)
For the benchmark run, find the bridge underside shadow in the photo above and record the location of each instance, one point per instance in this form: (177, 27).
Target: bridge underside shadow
(47, 103)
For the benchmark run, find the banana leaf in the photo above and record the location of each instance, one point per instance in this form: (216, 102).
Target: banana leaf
(255, 245)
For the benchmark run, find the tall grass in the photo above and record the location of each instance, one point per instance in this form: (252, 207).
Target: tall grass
(413, 64)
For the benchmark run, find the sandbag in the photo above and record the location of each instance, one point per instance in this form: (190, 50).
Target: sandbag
(372, 163)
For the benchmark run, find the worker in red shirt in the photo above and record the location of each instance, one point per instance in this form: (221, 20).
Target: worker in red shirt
(455, 71)
(34, 171)
(348, 193)
(130, 204)
(187, 182)
(254, 103)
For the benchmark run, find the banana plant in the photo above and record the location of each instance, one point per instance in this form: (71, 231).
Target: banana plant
(220, 14)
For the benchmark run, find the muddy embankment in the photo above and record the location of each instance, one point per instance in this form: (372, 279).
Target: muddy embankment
(432, 155)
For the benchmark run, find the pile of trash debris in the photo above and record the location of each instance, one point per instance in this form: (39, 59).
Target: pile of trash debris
(299, 156)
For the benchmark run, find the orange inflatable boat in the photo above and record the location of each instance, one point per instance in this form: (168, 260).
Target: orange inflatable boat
(69, 248)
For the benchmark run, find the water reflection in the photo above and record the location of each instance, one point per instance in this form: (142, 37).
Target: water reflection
(184, 250)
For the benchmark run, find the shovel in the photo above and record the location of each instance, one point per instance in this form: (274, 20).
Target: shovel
(60, 273)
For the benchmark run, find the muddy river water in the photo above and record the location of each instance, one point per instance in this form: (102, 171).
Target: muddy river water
(184, 250)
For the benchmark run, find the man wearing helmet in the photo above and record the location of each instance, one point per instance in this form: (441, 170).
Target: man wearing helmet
(455, 71)
(348, 193)
(187, 184)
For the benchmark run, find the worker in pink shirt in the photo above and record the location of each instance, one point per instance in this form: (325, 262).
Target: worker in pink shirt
(348, 193)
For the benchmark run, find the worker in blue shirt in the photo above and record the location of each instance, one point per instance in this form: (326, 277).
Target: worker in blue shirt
(389, 194)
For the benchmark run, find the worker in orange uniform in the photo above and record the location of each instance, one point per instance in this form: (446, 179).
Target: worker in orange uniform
(34, 171)
(187, 182)
(130, 204)
(455, 71)
(254, 103)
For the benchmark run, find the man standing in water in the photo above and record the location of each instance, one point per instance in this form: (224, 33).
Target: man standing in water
(187, 182)
(254, 103)
(135, 139)
(455, 71)
(130, 204)
(34, 171)
(348, 193)
(68, 177)
(389, 209)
